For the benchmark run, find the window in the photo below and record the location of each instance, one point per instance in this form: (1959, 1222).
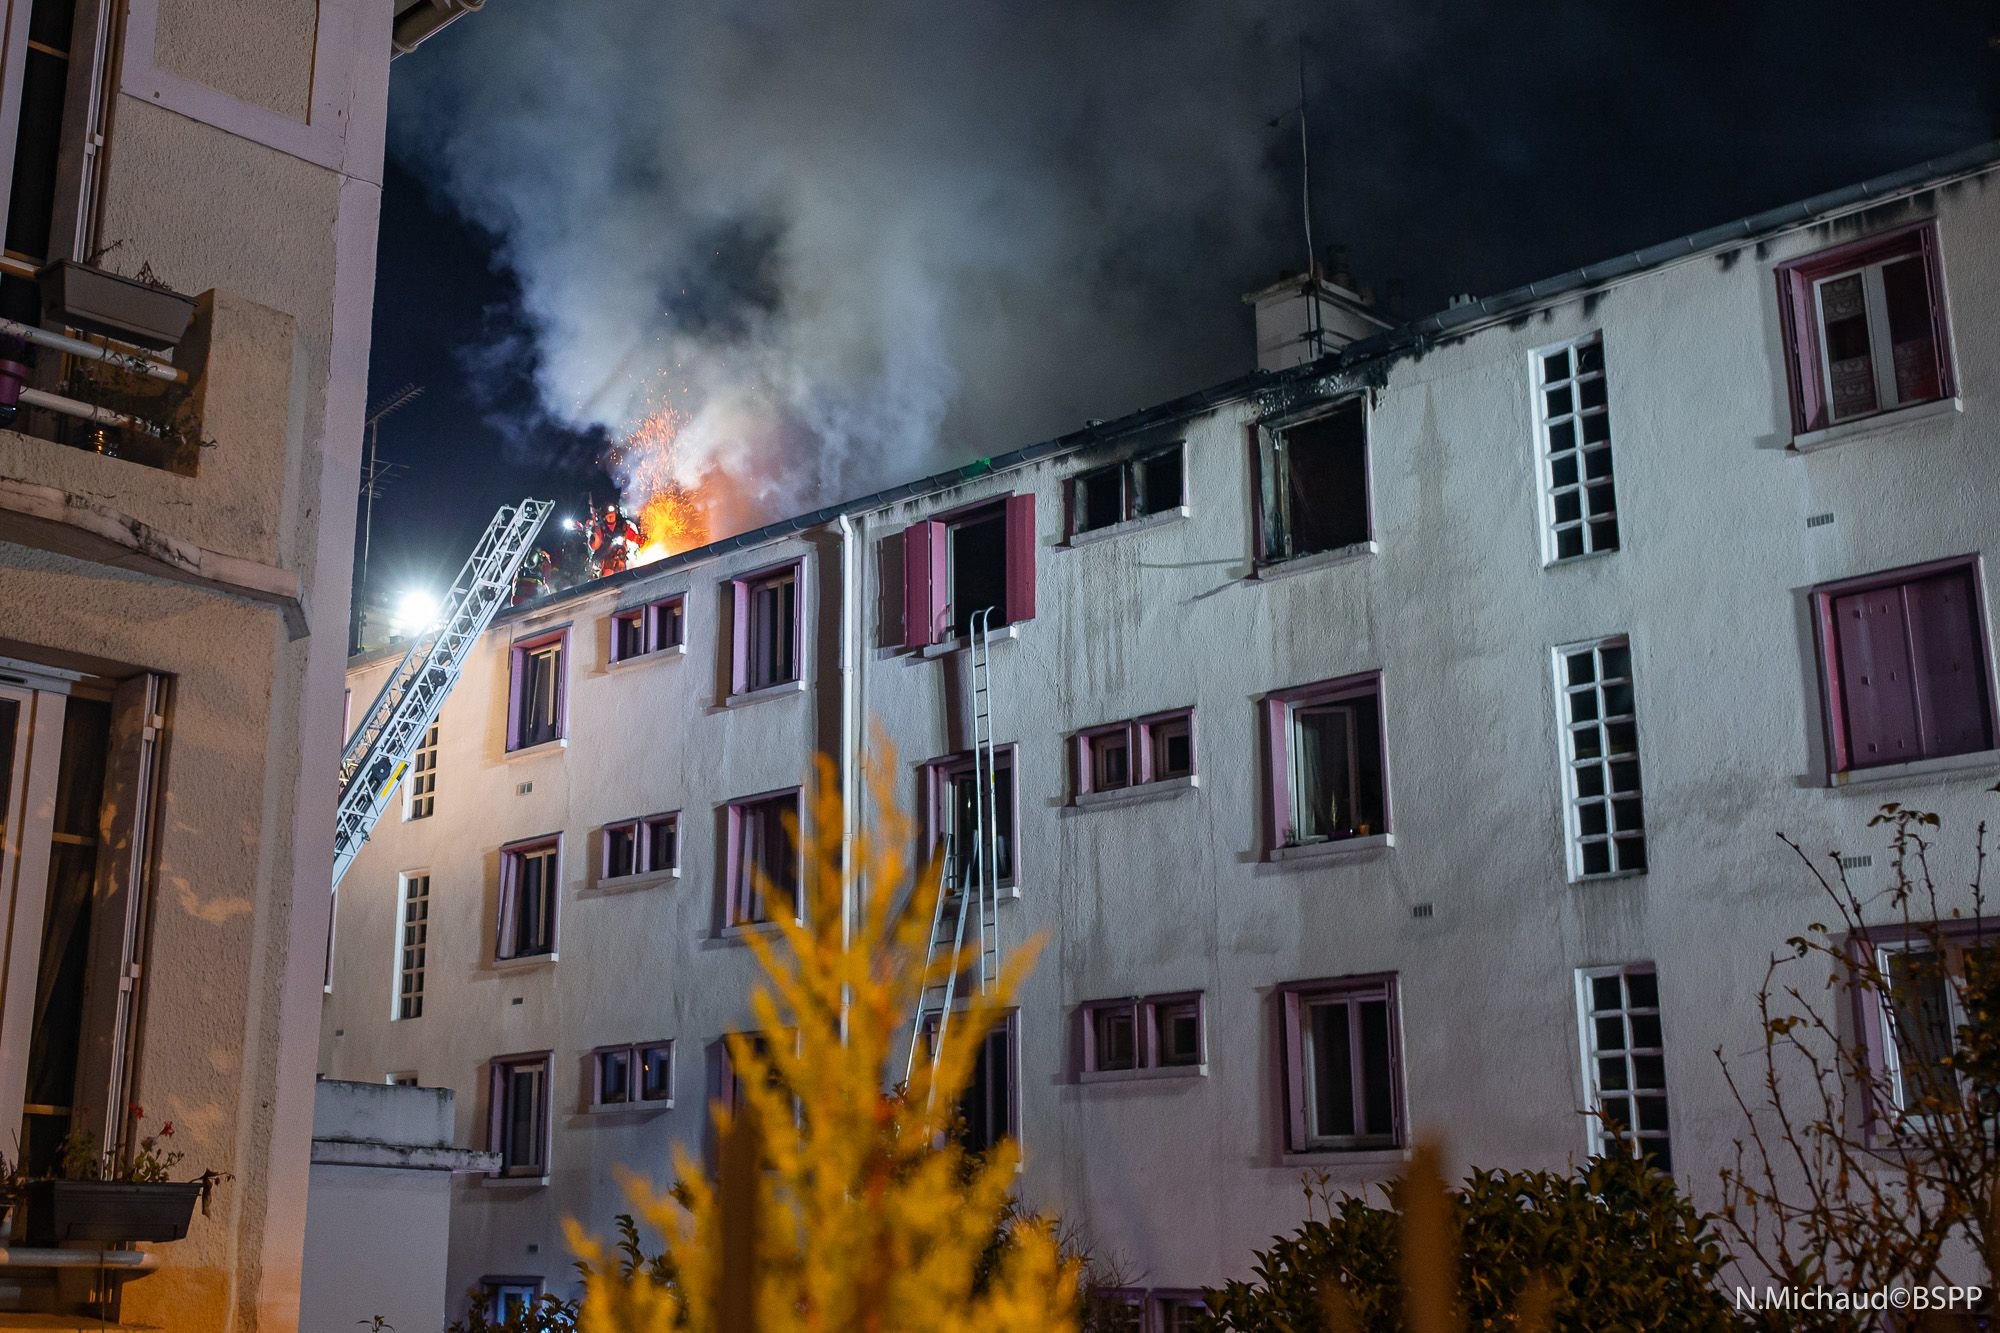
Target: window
(660, 843)
(518, 1114)
(423, 778)
(1116, 1310)
(647, 629)
(413, 945)
(1175, 1312)
(986, 1110)
(1607, 823)
(528, 883)
(1917, 1011)
(953, 807)
(633, 1075)
(733, 1086)
(405, 1079)
(1130, 754)
(956, 566)
(1151, 483)
(621, 850)
(1581, 505)
(766, 636)
(1905, 666)
(1343, 1081)
(1312, 484)
(763, 859)
(1327, 775)
(509, 1298)
(1866, 328)
(536, 709)
(1624, 1067)
(1155, 1032)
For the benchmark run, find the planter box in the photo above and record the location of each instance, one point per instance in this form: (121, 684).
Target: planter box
(118, 307)
(108, 1211)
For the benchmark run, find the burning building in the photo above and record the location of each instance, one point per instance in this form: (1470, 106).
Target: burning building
(1386, 740)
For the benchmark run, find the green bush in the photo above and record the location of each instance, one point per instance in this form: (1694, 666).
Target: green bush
(1616, 1247)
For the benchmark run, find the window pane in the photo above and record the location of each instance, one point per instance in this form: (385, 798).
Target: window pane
(662, 837)
(1160, 482)
(655, 1073)
(1912, 342)
(1377, 1085)
(1920, 1020)
(1110, 761)
(1329, 1059)
(1100, 498)
(1323, 800)
(1179, 1036)
(614, 1076)
(1116, 1037)
(620, 850)
(1850, 363)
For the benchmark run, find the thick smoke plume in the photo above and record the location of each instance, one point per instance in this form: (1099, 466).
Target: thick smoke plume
(847, 244)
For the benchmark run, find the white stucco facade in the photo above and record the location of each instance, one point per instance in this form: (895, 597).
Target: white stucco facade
(1467, 901)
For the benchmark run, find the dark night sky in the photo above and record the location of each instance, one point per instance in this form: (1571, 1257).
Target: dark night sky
(725, 167)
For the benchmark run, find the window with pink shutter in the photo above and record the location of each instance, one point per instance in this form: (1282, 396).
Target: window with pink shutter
(979, 559)
(1905, 665)
(1866, 328)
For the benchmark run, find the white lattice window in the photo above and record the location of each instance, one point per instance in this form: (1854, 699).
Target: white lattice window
(1606, 816)
(1572, 405)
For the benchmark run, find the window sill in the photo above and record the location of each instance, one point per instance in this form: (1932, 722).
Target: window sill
(1978, 761)
(1305, 564)
(1144, 1075)
(514, 1182)
(739, 934)
(653, 655)
(556, 746)
(1332, 1158)
(638, 1108)
(1165, 516)
(1881, 423)
(1608, 877)
(1335, 849)
(1165, 789)
(524, 961)
(630, 883)
(778, 691)
(958, 643)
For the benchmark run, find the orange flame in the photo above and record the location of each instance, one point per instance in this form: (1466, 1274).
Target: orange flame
(670, 521)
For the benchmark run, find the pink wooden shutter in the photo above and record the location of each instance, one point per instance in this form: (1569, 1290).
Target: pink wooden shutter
(1020, 558)
(1795, 291)
(1278, 775)
(1879, 700)
(1948, 667)
(739, 637)
(923, 583)
(515, 661)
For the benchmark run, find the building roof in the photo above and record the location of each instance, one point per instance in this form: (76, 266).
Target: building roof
(1348, 364)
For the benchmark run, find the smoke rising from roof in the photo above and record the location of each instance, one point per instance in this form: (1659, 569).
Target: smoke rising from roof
(849, 244)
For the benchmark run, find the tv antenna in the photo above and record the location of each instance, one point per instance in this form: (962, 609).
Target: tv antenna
(377, 475)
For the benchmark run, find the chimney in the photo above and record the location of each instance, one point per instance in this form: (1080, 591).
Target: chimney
(1302, 317)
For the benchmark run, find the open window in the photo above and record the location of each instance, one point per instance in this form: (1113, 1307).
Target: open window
(762, 873)
(953, 810)
(766, 643)
(988, 1109)
(529, 872)
(517, 1126)
(977, 559)
(1343, 1065)
(1327, 776)
(1866, 328)
(1312, 484)
(536, 703)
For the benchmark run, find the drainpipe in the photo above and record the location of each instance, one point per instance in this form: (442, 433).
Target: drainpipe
(425, 19)
(850, 740)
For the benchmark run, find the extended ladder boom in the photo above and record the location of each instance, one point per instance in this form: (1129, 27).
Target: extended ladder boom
(381, 747)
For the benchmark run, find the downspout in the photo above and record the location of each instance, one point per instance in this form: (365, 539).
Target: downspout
(850, 726)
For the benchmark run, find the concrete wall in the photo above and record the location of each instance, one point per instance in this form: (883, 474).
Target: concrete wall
(245, 157)
(1180, 1177)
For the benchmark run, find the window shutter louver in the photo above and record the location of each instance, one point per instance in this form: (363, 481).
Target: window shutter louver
(923, 583)
(1947, 668)
(1880, 700)
(1020, 558)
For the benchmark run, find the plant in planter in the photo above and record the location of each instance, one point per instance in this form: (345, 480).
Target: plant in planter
(119, 1194)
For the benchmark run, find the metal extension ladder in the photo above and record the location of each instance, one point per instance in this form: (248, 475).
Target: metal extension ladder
(380, 749)
(977, 898)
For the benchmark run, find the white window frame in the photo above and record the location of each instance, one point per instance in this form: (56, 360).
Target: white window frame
(1601, 1143)
(1546, 456)
(1881, 351)
(1569, 725)
(421, 789)
(397, 996)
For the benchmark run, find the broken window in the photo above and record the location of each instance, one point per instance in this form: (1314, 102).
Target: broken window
(766, 647)
(537, 705)
(1312, 484)
(1327, 773)
(1134, 488)
(953, 568)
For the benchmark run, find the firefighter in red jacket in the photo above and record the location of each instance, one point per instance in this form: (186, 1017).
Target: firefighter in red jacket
(613, 538)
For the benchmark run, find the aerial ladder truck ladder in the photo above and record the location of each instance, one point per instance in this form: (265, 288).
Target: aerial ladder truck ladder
(380, 750)
(968, 902)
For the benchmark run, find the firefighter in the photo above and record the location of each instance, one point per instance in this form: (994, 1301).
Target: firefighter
(533, 580)
(613, 538)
